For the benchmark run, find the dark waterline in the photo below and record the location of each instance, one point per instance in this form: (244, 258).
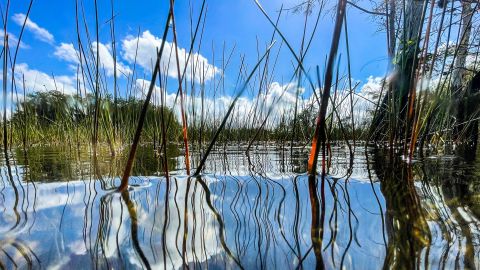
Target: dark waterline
(58, 210)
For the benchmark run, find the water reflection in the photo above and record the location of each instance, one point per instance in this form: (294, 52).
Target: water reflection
(405, 222)
(58, 209)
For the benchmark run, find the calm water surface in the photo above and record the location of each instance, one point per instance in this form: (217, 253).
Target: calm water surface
(58, 211)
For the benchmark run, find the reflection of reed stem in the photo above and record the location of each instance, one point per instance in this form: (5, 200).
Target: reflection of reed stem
(218, 217)
(318, 218)
(134, 228)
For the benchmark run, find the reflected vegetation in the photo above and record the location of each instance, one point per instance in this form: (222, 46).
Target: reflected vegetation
(58, 208)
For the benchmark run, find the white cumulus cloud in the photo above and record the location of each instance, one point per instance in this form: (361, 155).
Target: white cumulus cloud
(39, 32)
(36, 80)
(12, 40)
(146, 56)
(67, 52)
(106, 60)
(280, 98)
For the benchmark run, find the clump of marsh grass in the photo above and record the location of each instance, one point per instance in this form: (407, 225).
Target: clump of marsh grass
(426, 97)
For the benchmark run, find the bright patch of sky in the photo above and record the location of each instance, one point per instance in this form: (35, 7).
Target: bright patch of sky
(48, 56)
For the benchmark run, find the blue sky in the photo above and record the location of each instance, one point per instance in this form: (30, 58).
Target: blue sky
(230, 23)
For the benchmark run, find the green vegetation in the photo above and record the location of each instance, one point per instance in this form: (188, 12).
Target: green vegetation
(54, 118)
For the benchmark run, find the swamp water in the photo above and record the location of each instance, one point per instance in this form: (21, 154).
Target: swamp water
(58, 211)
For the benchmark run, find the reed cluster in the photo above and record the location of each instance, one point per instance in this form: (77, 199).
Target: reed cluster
(429, 95)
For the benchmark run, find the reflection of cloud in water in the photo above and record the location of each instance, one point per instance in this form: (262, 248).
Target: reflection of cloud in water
(64, 215)
(256, 213)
